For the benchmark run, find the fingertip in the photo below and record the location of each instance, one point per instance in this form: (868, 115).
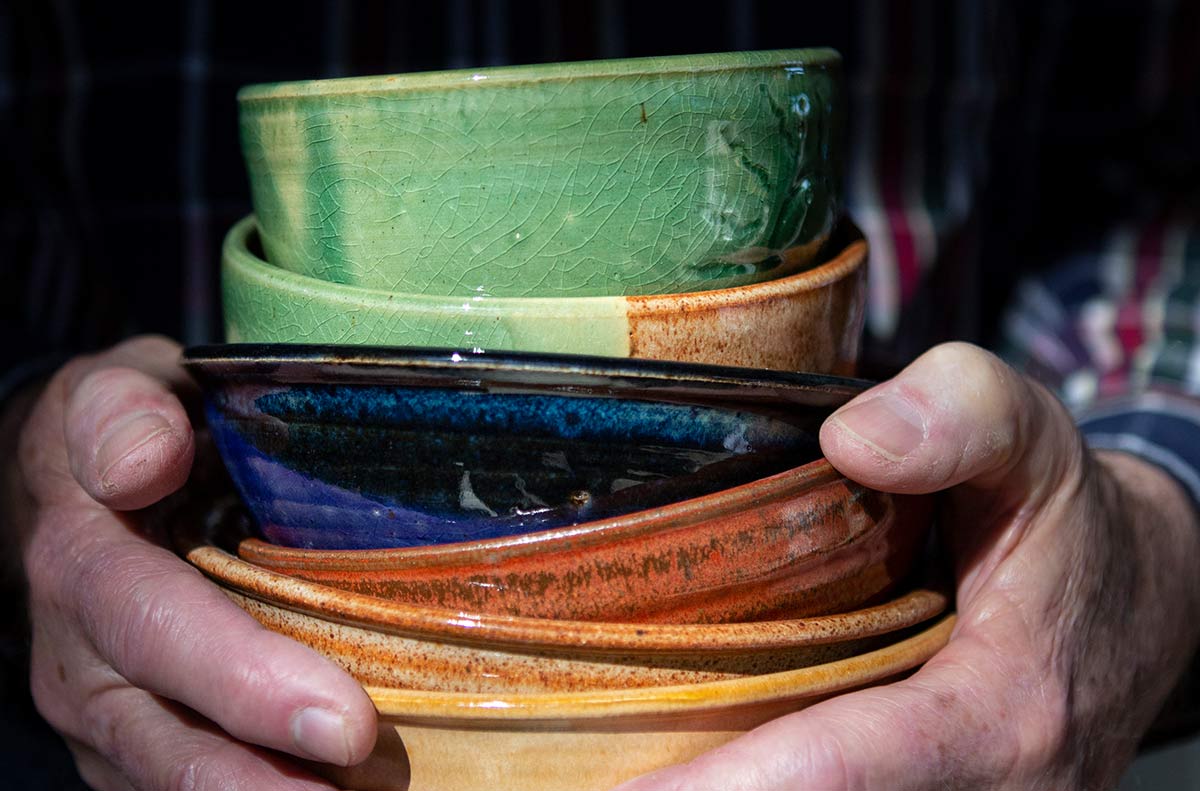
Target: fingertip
(876, 439)
(342, 734)
(129, 442)
(142, 461)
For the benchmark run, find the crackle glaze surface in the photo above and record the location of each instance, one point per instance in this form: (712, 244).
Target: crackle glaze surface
(811, 321)
(646, 176)
(349, 448)
(592, 741)
(407, 646)
(804, 542)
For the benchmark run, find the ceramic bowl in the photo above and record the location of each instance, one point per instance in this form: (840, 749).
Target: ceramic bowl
(811, 321)
(592, 741)
(407, 646)
(646, 176)
(804, 542)
(351, 447)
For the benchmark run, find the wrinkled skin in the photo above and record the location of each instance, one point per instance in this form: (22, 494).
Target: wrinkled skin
(1077, 600)
(153, 677)
(1077, 596)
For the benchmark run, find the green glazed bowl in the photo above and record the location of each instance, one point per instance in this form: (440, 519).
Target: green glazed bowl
(623, 177)
(809, 321)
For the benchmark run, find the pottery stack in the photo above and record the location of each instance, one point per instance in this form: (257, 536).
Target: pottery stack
(525, 372)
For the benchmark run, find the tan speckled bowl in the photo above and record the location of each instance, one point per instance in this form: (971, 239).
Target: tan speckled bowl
(591, 741)
(391, 644)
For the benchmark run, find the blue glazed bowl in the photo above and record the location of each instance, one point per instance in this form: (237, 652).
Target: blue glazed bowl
(358, 447)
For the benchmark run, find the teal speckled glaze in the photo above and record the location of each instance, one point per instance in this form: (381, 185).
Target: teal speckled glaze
(644, 176)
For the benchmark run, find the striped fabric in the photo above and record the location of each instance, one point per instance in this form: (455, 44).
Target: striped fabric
(1026, 172)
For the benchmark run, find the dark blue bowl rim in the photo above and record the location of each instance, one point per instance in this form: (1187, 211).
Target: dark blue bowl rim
(403, 365)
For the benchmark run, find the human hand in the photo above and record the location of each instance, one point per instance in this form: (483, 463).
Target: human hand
(1078, 599)
(154, 678)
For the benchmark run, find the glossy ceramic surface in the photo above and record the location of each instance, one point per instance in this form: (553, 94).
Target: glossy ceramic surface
(407, 646)
(345, 447)
(811, 321)
(591, 741)
(804, 542)
(645, 176)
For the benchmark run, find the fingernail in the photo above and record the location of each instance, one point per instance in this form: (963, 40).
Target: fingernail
(322, 735)
(125, 437)
(889, 425)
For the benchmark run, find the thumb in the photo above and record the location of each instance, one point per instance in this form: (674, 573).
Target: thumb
(128, 439)
(946, 727)
(956, 415)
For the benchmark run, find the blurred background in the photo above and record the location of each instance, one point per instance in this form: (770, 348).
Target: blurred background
(121, 168)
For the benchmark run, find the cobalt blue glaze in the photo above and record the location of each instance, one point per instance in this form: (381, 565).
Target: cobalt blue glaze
(346, 448)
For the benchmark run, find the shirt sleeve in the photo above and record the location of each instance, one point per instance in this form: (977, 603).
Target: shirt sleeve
(1114, 330)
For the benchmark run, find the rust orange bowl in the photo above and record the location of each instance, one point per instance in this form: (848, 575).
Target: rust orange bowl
(405, 646)
(803, 542)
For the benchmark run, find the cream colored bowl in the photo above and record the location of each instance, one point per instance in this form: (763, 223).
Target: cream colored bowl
(591, 741)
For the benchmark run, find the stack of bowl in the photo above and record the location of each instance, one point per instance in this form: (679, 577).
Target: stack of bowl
(550, 567)
(679, 208)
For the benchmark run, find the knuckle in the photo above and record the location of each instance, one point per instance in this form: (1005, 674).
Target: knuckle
(96, 772)
(827, 766)
(43, 564)
(147, 620)
(128, 608)
(51, 698)
(52, 558)
(182, 775)
(95, 775)
(976, 368)
(112, 391)
(148, 346)
(72, 371)
(203, 770)
(111, 726)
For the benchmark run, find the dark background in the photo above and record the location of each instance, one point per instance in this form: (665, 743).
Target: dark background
(121, 172)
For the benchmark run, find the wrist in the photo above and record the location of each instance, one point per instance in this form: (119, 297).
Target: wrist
(1165, 546)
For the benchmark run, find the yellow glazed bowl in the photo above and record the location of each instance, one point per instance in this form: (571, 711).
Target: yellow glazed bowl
(810, 321)
(591, 741)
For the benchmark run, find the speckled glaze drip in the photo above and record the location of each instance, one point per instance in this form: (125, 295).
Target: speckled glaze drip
(645, 176)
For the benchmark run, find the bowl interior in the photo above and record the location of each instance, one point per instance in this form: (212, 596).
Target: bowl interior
(342, 447)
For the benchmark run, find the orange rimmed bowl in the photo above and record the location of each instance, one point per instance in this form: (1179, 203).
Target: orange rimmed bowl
(393, 644)
(803, 542)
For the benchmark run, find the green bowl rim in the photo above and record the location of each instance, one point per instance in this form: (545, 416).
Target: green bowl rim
(236, 253)
(815, 59)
